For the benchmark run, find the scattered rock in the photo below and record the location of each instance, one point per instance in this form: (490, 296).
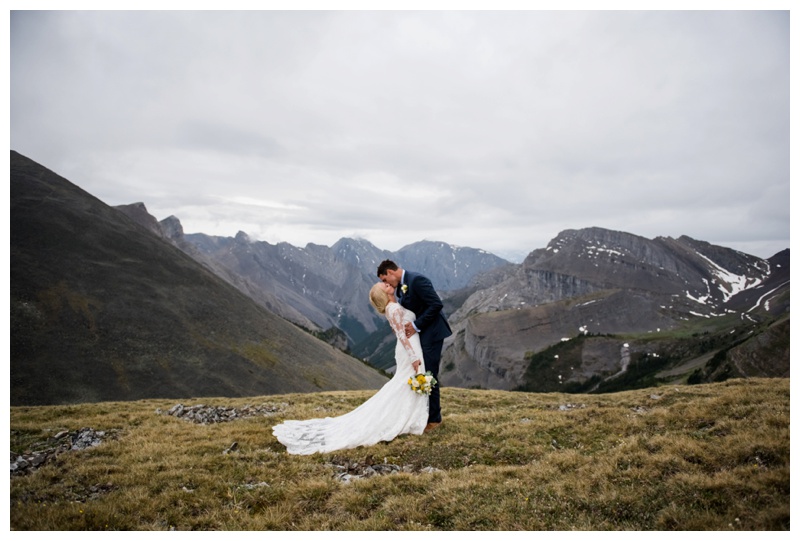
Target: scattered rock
(253, 486)
(95, 491)
(346, 471)
(234, 446)
(86, 438)
(567, 407)
(204, 415)
(62, 442)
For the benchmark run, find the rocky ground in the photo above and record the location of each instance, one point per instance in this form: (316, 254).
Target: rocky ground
(85, 438)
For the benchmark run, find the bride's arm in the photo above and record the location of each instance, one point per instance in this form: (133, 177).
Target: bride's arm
(395, 317)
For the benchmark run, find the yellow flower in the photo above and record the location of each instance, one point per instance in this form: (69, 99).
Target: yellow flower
(404, 288)
(422, 383)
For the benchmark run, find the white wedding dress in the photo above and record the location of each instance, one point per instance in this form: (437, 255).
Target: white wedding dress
(395, 409)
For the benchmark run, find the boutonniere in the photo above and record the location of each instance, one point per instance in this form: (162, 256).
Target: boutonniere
(404, 288)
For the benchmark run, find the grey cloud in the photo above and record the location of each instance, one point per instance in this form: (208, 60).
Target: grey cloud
(493, 129)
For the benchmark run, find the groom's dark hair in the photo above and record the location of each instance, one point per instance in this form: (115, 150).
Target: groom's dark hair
(386, 265)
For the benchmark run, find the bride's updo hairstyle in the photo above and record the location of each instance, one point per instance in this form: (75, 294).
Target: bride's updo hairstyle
(378, 297)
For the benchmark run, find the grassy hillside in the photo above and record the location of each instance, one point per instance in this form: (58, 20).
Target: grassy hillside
(700, 351)
(102, 309)
(702, 457)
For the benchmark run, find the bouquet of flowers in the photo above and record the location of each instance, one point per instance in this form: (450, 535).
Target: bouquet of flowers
(422, 383)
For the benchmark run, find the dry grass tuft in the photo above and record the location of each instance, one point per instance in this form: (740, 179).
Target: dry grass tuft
(708, 457)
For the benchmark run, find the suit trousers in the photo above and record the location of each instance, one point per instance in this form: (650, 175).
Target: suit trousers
(432, 354)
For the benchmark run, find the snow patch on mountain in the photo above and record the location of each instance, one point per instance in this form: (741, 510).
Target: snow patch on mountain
(767, 294)
(730, 283)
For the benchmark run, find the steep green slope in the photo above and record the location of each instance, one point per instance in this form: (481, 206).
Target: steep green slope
(102, 309)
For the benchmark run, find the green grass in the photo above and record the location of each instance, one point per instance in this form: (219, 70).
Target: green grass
(703, 457)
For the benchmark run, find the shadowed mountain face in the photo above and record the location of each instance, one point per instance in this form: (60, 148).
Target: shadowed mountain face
(105, 309)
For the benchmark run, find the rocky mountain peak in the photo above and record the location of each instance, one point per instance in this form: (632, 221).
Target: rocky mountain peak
(448, 267)
(359, 253)
(172, 228)
(683, 266)
(138, 213)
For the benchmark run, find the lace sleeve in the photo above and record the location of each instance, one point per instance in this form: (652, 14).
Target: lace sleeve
(395, 316)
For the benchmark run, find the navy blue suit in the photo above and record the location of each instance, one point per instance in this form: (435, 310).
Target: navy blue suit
(422, 299)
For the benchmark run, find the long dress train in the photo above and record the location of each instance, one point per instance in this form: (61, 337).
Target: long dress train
(392, 411)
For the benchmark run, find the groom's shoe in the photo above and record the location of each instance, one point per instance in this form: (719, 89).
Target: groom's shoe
(431, 426)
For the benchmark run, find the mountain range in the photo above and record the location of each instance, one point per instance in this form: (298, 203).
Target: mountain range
(643, 295)
(596, 305)
(595, 310)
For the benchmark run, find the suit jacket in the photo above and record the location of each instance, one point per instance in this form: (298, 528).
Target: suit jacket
(422, 299)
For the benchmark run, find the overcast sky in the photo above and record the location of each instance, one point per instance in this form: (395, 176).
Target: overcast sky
(494, 130)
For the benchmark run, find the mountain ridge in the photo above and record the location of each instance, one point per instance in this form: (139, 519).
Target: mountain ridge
(104, 309)
(602, 282)
(328, 286)
(643, 286)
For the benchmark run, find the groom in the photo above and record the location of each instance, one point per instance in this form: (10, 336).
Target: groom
(415, 292)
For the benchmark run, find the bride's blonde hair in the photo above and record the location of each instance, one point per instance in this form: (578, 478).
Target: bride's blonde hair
(378, 297)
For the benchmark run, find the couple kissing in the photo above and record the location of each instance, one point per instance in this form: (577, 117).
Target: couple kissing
(414, 312)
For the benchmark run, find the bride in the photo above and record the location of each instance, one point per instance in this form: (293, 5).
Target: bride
(395, 409)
